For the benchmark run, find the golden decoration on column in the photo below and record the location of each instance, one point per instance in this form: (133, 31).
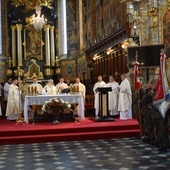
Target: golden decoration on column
(9, 70)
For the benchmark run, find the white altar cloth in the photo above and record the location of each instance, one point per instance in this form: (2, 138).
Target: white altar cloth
(40, 100)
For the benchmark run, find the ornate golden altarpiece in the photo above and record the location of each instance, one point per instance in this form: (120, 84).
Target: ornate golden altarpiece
(33, 50)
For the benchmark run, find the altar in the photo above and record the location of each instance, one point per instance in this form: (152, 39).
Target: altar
(40, 100)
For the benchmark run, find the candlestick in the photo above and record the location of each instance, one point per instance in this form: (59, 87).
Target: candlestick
(35, 90)
(28, 90)
(32, 90)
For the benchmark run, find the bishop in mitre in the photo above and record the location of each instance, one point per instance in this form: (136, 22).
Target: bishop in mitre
(81, 87)
(113, 96)
(100, 83)
(125, 99)
(61, 85)
(49, 89)
(14, 106)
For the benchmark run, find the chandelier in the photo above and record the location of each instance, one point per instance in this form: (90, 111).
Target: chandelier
(38, 20)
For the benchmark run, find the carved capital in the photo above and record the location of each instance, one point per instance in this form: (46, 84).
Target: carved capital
(19, 27)
(13, 27)
(52, 28)
(46, 27)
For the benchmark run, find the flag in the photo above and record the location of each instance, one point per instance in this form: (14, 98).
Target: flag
(162, 89)
(136, 76)
(162, 83)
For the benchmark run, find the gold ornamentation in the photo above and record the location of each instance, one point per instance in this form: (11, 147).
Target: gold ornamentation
(9, 61)
(57, 61)
(19, 72)
(29, 5)
(34, 71)
(153, 13)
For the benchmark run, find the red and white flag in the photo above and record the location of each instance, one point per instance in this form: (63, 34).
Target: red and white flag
(162, 88)
(136, 76)
(162, 83)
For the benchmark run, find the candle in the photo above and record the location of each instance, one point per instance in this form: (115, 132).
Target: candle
(28, 90)
(74, 87)
(77, 88)
(35, 90)
(32, 90)
(71, 88)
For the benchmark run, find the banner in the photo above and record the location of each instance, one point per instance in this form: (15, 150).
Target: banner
(162, 83)
(136, 76)
(162, 89)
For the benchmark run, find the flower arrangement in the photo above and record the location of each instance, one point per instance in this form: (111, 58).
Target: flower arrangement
(55, 104)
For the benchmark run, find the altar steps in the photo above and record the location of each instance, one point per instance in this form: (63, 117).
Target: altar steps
(86, 130)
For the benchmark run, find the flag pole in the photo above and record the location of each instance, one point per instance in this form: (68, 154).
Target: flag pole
(138, 94)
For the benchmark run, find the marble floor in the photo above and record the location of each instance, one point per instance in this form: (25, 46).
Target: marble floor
(108, 154)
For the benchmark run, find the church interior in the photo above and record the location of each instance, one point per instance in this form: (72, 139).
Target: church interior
(85, 39)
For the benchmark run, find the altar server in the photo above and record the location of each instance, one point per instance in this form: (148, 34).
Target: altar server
(113, 96)
(6, 88)
(14, 102)
(37, 85)
(61, 85)
(125, 99)
(100, 83)
(49, 89)
(82, 88)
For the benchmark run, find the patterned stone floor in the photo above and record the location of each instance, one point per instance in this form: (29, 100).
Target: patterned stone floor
(118, 154)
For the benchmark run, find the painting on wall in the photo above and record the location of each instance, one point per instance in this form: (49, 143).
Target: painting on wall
(71, 29)
(71, 44)
(68, 70)
(32, 43)
(116, 14)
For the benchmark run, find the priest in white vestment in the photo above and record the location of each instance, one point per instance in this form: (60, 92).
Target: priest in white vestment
(61, 85)
(82, 88)
(113, 96)
(37, 85)
(100, 83)
(14, 102)
(49, 89)
(125, 99)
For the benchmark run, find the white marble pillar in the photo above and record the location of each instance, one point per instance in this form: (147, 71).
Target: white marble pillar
(62, 29)
(47, 44)
(13, 27)
(52, 46)
(19, 43)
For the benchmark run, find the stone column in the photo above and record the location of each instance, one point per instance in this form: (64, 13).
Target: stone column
(62, 29)
(47, 44)
(52, 46)
(19, 39)
(13, 27)
(80, 19)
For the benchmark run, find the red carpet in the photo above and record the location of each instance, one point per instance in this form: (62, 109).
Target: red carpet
(12, 133)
